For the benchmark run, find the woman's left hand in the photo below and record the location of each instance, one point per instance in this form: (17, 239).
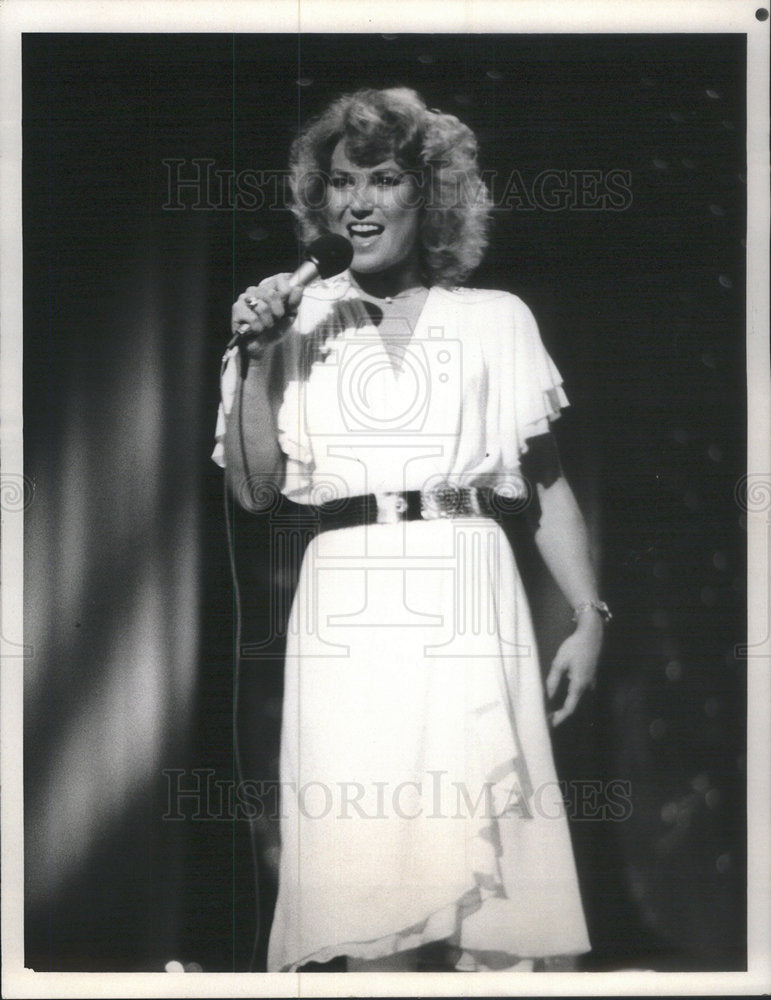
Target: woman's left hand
(577, 658)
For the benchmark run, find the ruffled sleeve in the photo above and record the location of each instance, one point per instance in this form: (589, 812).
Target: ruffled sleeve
(290, 362)
(525, 392)
(291, 426)
(538, 392)
(228, 383)
(294, 441)
(322, 314)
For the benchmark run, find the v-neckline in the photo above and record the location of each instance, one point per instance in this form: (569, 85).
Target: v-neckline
(397, 368)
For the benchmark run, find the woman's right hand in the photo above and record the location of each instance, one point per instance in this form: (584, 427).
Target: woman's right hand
(262, 313)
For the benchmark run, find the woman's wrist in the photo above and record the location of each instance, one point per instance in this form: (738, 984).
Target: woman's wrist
(589, 614)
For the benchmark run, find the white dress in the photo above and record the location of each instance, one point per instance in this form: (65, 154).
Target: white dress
(419, 796)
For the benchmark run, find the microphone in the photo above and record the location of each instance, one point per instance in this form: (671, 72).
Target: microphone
(324, 258)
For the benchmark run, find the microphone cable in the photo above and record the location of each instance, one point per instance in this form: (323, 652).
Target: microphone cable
(229, 500)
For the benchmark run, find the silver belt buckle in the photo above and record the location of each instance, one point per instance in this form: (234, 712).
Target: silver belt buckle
(448, 500)
(444, 500)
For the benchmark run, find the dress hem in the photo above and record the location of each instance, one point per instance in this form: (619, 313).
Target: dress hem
(444, 924)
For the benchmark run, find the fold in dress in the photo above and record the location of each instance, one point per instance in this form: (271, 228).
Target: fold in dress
(419, 797)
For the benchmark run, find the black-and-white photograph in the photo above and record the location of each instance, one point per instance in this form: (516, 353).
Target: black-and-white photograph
(385, 500)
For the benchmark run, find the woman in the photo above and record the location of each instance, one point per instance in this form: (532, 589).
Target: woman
(419, 802)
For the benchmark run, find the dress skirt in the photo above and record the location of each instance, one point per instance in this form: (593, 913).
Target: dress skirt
(419, 799)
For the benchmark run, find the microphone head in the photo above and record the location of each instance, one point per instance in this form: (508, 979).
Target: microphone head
(331, 254)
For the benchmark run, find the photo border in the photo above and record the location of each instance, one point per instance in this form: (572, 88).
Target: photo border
(439, 16)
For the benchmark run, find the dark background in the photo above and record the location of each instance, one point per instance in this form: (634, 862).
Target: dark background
(128, 596)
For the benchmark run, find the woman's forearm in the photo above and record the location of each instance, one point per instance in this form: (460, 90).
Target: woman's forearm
(563, 542)
(252, 455)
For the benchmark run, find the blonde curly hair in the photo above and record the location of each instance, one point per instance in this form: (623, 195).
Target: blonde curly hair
(395, 123)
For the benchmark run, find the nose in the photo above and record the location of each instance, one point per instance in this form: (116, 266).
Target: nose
(360, 201)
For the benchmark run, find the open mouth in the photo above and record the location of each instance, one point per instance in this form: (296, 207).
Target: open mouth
(364, 230)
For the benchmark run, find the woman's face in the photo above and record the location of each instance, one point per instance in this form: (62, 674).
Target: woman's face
(377, 209)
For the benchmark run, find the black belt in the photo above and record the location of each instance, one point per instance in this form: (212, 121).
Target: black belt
(414, 505)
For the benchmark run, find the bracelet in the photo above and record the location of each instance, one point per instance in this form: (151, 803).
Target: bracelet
(599, 606)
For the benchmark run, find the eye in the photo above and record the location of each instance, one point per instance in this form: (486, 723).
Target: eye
(340, 181)
(387, 180)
